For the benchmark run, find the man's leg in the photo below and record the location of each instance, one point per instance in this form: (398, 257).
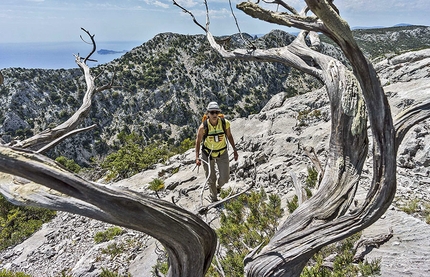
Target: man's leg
(209, 168)
(223, 164)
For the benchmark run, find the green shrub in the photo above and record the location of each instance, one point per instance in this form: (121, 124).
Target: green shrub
(343, 264)
(312, 178)
(419, 208)
(108, 234)
(293, 204)
(108, 273)
(8, 273)
(114, 249)
(18, 223)
(185, 145)
(427, 212)
(305, 116)
(160, 267)
(134, 156)
(411, 207)
(65, 273)
(246, 222)
(156, 185)
(69, 164)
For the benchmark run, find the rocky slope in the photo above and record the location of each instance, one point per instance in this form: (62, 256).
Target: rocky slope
(268, 145)
(162, 87)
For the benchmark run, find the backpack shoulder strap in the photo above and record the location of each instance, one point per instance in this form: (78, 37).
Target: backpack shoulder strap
(223, 123)
(205, 125)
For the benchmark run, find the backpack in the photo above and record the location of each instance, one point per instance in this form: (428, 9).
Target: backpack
(205, 125)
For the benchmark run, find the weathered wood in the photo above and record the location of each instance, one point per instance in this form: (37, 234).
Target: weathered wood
(189, 242)
(364, 245)
(324, 218)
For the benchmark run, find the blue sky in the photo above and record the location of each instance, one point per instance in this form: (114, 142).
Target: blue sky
(140, 20)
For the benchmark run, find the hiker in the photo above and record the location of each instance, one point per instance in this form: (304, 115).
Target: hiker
(213, 132)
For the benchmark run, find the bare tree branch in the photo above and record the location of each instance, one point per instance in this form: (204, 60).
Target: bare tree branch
(205, 209)
(283, 4)
(60, 139)
(310, 23)
(43, 138)
(192, 15)
(189, 241)
(408, 118)
(356, 97)
(93, 42)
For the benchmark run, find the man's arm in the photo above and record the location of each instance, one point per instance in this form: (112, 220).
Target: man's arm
(231, 140)
(199, 138)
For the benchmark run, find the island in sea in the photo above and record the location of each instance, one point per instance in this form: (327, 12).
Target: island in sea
(108, 52)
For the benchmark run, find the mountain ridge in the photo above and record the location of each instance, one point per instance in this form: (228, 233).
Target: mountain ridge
(165, 83)
(267, 139)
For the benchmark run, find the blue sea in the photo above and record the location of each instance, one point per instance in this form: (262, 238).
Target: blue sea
(56, 55)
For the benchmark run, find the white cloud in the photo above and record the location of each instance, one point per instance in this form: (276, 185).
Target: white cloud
(161, 4)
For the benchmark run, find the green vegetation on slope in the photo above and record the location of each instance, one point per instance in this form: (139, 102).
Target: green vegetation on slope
(377, 43)
(133, 155)
(18, 223)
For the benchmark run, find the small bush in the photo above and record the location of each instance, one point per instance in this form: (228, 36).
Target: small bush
(160, 267)
(343, 264)
(293, 204)
(108, 273)
(427, 212)
(69, 164)
(114, 249)
(185, 145)
(411, 207)
(108, 235)
(312, 178)
(156, 185)
(133, 156)
(419, 208)
(248, 221)
(8, 273)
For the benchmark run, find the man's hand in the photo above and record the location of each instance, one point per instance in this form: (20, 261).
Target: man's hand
(198, 162)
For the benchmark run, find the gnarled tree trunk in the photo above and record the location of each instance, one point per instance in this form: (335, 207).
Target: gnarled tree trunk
(356, 98)
(29, 178)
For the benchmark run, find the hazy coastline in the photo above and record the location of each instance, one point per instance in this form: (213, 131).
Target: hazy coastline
(57, 55)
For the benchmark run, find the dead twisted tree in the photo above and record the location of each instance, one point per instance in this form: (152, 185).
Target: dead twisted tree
(29, 178)
(356, 97)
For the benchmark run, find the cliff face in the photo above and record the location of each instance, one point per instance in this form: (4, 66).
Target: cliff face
(268, 144)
